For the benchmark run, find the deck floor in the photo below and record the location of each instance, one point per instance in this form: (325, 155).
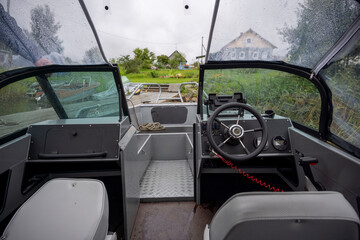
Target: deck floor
(167, 180)
(172, 221)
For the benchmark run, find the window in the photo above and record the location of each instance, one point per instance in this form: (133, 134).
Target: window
(255, 55)
(19, 108)
(248, 40)
(81, 95)
(242, 55)
(342, 77)
(286, 94)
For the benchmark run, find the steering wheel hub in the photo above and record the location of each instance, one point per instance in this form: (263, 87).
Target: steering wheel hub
(236, 131)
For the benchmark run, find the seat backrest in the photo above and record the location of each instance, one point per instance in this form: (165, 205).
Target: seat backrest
(286, 215)
(62, 209)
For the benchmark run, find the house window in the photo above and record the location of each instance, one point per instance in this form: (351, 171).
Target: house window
(242, 55)
(248, 40)
(255, 55)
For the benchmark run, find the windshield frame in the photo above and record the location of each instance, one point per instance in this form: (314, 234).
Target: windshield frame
(279, 66)
(20, 74)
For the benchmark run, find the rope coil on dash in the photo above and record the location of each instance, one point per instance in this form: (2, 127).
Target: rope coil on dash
(156, 126)
(247, 175)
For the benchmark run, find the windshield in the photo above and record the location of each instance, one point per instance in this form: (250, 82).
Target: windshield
(45, 32)
(296, 32)
(285, 94)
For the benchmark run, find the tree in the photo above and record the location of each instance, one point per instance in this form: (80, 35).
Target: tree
(145, 57)
(163, 60)
(93, 56)
(44, 29)
(121, 60)
(177, 59)
(320, 25)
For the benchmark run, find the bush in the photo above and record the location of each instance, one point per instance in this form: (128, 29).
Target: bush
(131, 66)
(154, 74)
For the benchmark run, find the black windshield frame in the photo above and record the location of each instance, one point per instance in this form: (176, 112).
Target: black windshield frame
(279, 66)
(9, 77)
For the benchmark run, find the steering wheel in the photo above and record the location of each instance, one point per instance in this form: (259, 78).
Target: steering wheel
(236, 132)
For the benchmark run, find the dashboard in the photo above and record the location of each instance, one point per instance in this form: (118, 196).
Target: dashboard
(277, 144)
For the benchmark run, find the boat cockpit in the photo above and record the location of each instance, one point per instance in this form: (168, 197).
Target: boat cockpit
(269, 150)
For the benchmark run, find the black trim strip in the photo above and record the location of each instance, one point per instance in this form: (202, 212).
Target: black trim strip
(12, 136)
(348, 147)
(72, 155)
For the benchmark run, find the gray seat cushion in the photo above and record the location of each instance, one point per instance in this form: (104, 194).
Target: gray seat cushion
(287, 215)
(75, 209)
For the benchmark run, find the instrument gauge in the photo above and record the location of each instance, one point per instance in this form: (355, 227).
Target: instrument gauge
(280, 143)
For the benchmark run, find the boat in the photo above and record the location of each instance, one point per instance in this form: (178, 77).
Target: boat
(269, 150)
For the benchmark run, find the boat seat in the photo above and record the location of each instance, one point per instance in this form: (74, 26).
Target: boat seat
(285, 215)
(75, 209)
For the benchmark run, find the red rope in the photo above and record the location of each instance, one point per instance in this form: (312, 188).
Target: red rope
(248, 176)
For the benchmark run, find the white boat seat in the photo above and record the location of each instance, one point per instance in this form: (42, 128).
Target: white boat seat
(75, 209)
(285, 215)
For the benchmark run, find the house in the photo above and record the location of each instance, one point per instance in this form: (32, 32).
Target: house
(173, 55)
(248, 46)
(180, 59)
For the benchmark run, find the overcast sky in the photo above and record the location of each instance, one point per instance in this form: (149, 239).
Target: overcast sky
(161, 25)
(165, 25)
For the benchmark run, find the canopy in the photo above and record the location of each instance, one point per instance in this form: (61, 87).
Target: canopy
(57, 32)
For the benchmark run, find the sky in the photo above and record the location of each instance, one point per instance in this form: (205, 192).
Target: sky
(163, 26)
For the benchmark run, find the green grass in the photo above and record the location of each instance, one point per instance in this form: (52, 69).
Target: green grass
(287, 94)
(163, 76)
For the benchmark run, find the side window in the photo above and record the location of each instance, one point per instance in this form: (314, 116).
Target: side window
(84, 94)
(342, 77)
(19, 108)
(288, 95)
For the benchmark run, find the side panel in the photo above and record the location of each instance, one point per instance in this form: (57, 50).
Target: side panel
(13, 156)
(130, 178)
(336, 170)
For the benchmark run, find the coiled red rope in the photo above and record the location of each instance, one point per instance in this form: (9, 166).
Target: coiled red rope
(247, 175)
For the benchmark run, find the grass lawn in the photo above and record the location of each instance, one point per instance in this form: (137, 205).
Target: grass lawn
(162, 80)
(163, 76)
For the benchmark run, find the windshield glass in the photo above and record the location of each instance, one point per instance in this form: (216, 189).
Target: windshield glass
(297, 32)
(45, 32)
(286, 94)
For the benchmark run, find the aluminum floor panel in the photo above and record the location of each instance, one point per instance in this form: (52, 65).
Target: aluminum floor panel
(167, 180)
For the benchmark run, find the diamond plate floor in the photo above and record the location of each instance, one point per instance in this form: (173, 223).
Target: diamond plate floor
(167, 180)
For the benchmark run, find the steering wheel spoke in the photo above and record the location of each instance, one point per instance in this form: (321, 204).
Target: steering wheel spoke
(244, 147)
(223, 124)
(221, 144)
(253, 130)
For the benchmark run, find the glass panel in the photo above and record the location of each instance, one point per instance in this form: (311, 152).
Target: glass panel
(342, 78)
(288, 95)
(19, 109)
(297, 32)
(84, 94)
(45, 32)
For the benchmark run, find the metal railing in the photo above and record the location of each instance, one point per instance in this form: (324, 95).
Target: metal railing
(141, 85)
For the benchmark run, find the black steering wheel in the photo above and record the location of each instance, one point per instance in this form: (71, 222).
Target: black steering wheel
(236, 132)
